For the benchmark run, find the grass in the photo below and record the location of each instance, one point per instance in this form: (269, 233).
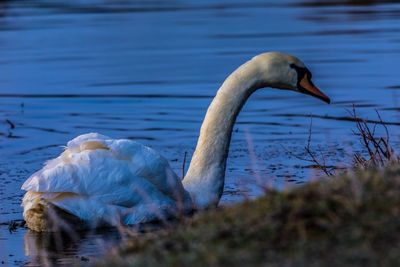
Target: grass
(349, 220)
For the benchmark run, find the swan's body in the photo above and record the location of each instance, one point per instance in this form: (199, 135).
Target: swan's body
(105, 181)
(100, 181)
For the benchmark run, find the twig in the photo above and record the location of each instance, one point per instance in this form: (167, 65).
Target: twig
(378, 148)
(12, 125)
(328, 170)
(314, 159)
(184, 165)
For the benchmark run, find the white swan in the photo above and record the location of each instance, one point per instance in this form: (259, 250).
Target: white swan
(101, 181)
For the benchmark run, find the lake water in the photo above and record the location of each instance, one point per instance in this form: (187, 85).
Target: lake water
(147, 70)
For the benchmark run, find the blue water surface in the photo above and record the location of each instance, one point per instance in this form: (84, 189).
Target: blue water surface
(147, 70)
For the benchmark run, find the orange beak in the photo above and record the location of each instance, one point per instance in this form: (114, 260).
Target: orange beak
(307, 87)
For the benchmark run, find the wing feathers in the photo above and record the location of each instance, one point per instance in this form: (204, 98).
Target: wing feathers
(106, 177)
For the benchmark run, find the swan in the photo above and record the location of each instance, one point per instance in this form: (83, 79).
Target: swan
(99, 181)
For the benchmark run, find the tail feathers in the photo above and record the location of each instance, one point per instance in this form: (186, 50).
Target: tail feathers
(56, 211)
(43, 216)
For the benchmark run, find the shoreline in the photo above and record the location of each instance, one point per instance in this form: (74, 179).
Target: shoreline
(347, 220)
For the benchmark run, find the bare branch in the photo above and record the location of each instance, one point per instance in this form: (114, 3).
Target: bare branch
(184, 165)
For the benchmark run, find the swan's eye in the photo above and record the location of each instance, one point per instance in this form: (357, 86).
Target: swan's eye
(303, 75)
(301, 72)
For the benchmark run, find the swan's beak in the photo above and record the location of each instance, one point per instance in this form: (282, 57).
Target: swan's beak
(307, 87)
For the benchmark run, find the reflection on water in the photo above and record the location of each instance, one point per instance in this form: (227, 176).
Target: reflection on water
(147, 70)
(50, 249)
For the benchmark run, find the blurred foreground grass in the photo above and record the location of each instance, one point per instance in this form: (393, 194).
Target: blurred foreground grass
(349, 220)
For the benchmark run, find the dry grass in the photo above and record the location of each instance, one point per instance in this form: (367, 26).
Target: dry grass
(379, 151)
(351, 220)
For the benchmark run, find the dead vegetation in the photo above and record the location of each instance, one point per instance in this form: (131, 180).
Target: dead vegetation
(351, 220)
(376, 148)
(379, 151)
(319, 162)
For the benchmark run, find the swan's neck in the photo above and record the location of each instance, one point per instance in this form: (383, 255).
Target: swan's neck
(205, 177)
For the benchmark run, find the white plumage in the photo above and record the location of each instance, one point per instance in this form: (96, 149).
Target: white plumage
(108, 182)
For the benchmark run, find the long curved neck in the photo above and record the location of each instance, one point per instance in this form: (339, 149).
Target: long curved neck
(205, 177)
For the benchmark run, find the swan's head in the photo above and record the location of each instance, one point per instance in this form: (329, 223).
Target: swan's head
(283, 71)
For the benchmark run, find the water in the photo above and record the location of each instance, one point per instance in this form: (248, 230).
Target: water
(147, 70)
